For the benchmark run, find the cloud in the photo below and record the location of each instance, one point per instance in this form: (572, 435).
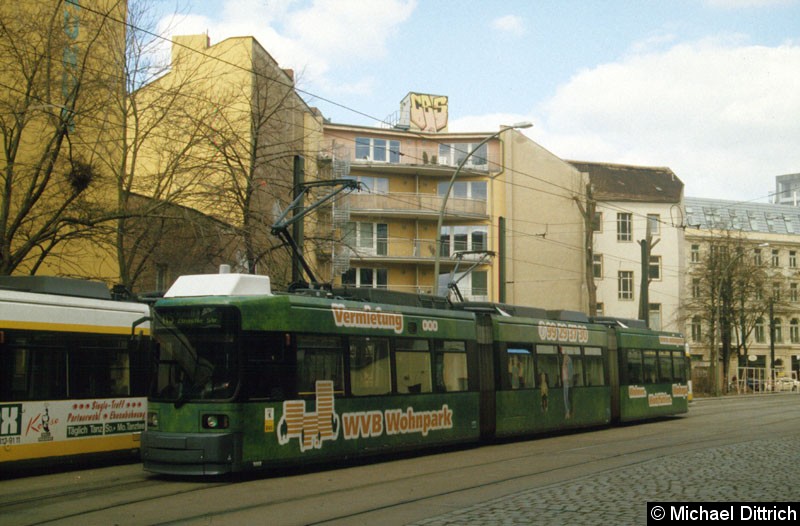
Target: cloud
(313, 39)
(510, 24)
(720, 113)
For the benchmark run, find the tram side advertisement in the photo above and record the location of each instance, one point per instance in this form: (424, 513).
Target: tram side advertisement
(24, 423)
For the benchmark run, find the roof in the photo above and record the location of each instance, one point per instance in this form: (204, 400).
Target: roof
(717, 214)
(620, 182)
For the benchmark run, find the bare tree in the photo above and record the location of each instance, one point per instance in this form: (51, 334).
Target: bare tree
(154, 167)
(255, 143)
(52, 103)
(732, 288)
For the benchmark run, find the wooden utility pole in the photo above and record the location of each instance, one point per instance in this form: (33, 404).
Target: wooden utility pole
(647, 245)
(588, 213)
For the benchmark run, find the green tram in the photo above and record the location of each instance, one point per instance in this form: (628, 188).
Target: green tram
(247, 379)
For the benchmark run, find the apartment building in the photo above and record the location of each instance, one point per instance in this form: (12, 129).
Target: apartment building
(633, 202)
(757, 271)
(512, 203)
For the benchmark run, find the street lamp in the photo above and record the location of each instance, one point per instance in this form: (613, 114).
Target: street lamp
(438, 233)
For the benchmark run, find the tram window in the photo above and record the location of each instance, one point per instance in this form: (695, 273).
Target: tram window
(319, 358)
(413, 361)
(13, 375)
(520, 368)
(595, 375)
(548, 365)
(664, 366)
(679, 366)
(266, 371)
(370, 369)
(98, 373)
(572, 366)
(634, 369)
(450, 366)
(649, 367)
(47, 374)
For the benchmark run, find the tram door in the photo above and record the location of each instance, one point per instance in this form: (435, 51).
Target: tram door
(488, 416)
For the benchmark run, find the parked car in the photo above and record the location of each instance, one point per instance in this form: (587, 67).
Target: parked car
(784, 383)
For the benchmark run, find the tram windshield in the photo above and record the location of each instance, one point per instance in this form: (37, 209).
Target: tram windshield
(197, 354)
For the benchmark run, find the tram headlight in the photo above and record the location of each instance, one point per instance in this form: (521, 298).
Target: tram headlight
(152, 419)
(215, 421)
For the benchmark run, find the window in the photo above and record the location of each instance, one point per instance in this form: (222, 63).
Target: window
(319, 358)
(776, 291)
(697, 331)
(792, 259)
(464, 189)
(454, 154)
(595, 374)
(695, 288)
(370, 369)
(778, 326)
(460, 238)
(520, 367)
(572, 364)
(624, 227)
(450, 366)
(757, 256)
(655, 268)
(679, 367)
(649, 368)
(377, 150)
(597, 265)
(376, 278)
(549, 366)
(367, 238)
(759, 331)
(654, 224)
(625, 284)
(793, 295)
(695, 253)
(479, 285)
(776, 259)
(794, 330)
(634, 366)
(600, 309)
(654, 310)
(664, 366)
(597, 222)
(413, 371)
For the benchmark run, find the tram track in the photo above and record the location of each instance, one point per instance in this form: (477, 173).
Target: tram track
(463, 472)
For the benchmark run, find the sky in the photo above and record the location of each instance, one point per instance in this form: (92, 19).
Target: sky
(708, 88)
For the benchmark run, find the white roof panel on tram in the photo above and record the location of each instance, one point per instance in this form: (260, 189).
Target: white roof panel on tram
(219, 285)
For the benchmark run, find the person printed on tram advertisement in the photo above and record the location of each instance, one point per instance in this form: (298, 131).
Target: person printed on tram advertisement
(566, 380)
(544, 388)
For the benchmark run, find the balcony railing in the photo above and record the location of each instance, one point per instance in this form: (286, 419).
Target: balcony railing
(415, 204)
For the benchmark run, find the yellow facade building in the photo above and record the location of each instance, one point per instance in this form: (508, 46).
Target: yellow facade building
(511, 198)
(57, 118)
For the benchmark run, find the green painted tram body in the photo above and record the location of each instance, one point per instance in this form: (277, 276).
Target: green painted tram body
(486, 375)
(642, 398)
(523, 411)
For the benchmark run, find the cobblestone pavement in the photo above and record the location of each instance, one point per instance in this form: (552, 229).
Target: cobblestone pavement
(746, 472)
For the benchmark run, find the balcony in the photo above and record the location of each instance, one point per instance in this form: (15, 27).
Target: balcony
(405, 250)
(411, 205)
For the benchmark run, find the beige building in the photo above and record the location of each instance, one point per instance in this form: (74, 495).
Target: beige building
(512, 198)
(757, 250)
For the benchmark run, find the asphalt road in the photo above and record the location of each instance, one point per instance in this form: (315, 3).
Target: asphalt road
(724, 450)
